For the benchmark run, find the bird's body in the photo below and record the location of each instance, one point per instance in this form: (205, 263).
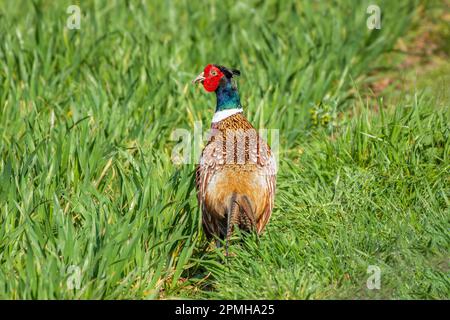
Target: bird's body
(235, 178)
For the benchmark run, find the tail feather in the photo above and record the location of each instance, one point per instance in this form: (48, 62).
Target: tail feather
(239, 212)
(247, 214)
(233, 211)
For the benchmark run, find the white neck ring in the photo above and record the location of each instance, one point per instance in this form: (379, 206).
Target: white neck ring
(220, 115)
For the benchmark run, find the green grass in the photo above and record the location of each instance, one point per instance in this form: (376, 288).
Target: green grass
(87, 180)
(377, 194)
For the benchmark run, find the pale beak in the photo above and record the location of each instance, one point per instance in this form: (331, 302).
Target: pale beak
(199, 78)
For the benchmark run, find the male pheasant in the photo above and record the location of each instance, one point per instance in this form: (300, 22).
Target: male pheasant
(236, 176)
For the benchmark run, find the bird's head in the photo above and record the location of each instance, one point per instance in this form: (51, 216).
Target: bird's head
(214, 75)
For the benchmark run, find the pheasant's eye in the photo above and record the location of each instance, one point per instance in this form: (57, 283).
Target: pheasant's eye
(213, 73)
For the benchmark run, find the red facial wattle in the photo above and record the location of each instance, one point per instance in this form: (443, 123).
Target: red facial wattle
(212, 76)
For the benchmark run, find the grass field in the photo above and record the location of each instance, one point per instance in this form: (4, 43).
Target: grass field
(93, 207)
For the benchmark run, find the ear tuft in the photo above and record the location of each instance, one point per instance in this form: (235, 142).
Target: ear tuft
(236, 72)
(229, 73)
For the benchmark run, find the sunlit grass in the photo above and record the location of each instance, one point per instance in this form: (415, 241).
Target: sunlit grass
(87, 180)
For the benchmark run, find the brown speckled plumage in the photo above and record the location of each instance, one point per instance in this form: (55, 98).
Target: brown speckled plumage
(235, 178)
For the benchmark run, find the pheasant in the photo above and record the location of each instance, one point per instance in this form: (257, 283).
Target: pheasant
(236, 175)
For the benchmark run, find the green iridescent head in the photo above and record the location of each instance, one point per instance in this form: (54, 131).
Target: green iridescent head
(219, 79)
